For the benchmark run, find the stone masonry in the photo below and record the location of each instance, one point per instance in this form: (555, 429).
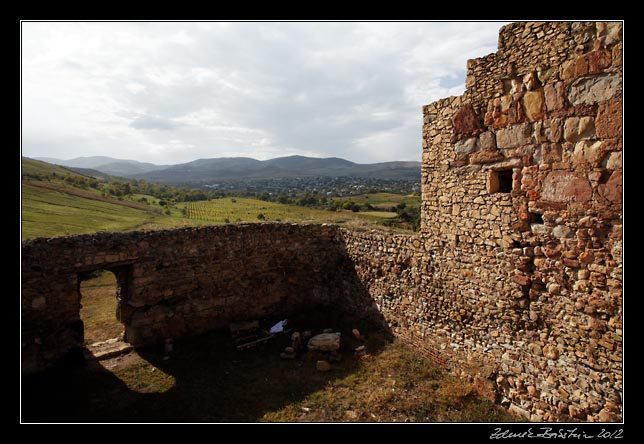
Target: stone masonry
(522, 214)
(175, 282)
(514, 282)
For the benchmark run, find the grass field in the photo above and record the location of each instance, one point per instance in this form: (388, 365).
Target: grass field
(382, 201)
(47, 212)
(249, 210)
(53, 207)
(55, 210)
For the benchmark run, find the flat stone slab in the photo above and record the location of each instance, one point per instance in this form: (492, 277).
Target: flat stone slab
(108, 349)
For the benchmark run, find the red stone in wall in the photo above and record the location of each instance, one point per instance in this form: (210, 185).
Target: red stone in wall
(566, 186)
(609, 120)
(466, 122)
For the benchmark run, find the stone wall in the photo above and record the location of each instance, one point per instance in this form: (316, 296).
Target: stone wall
(522, 216)
(176, 282)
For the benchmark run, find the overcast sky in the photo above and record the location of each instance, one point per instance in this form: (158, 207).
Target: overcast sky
(175, 92)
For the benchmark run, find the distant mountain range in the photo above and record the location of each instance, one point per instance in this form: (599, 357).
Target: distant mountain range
(223, 169)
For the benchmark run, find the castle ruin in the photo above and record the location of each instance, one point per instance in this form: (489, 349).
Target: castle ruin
(514, 281)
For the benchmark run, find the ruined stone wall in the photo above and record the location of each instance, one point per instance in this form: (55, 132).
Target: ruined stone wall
(522, 219)
(176, 282)
(396, 271)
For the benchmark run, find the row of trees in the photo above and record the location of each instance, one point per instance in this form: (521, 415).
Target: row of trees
(406, 217)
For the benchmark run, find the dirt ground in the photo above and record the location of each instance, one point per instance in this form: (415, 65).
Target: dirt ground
(207, 379)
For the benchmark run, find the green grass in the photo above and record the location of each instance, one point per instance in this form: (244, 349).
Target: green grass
(98, 311)
(53, 207)
(241, 209)
(151, 199)
(383, 201)
(50, 209)
(382, 214)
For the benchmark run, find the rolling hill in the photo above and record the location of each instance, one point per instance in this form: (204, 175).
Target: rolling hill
(106, 165)
(243, 168)
(52, 206)
(203, 171)
(34, 168)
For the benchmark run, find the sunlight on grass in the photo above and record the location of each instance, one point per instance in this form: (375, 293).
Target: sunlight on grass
(146, 378)
(395, 385)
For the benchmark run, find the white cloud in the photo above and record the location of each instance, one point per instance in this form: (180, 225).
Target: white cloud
(175, 92)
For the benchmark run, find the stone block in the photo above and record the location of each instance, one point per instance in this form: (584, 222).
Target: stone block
(599, 60)
(514, 136)
(534, 105)
(612, 190)
(579, 128)
(588, 151)
(595, 89)
(486, 141)
(323, 366)
(482, 157)
(465, 146)
(466, 121)
(555, 97)
(614, 161)
(325, 342)
(548, 153)
(609, 119)
(566, 186)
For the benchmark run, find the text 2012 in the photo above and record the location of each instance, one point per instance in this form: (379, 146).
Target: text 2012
(550, 433)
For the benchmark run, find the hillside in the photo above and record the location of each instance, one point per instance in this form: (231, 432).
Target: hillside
(36, 168)
(55, 210)
(57, 201)
(106, 165)
(54, 204)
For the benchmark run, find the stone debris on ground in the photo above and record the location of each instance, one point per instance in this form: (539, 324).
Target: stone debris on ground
(351, 414)
(296, 341)
(325, 342)
(288, 353)
(323, 366)
(107, 349)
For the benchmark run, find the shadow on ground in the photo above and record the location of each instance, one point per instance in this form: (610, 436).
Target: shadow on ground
(205, 379)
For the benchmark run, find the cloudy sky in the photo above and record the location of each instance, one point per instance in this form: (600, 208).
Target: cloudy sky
(175, 92)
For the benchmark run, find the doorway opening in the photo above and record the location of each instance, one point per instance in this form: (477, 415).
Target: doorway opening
(99, 305)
